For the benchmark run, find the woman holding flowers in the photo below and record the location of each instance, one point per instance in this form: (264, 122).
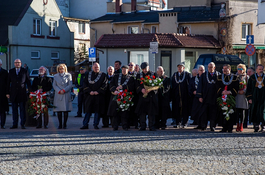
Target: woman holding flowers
(241, 100)
(62, 85)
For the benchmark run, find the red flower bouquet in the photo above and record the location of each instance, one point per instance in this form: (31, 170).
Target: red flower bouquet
(38, 103)
(151, 83)
(124, 100)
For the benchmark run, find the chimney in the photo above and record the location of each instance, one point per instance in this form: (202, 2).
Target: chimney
(117, 6)
(133, 5)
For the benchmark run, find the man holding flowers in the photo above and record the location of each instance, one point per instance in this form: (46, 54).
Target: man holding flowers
(227, 88)
(148, 99)
(121, 87)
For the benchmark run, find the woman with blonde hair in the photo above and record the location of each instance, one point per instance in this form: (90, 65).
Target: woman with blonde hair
(241, 100)
(62, 85)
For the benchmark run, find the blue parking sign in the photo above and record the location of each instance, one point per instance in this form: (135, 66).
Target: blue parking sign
(92, 52)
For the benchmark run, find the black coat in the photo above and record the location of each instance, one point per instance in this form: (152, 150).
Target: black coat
(164, 98)
(113, 85)
(95, 103)
(149, 104)
(3, 90)
(180, 94)
(17, 84)
(196, 105)
(108, 95)
(45, 83)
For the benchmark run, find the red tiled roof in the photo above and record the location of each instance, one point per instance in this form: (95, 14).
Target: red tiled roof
(170, 40)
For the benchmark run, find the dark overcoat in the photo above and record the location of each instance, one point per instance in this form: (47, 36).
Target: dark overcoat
(3, 90)
(17, 85)
(95, 103)
(45, 83)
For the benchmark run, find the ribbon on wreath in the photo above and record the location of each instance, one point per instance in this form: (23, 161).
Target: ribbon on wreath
(38, 104)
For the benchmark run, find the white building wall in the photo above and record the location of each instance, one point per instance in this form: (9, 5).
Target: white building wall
(21, 43)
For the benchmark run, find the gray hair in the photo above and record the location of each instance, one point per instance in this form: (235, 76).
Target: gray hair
(160, 67)
(201, 66)
(110, 67)
(46, 70)
(212, 63)
(1, 61)
(195, 70)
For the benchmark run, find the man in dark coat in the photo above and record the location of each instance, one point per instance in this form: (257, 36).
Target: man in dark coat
(95, 86)
(206, 92)
(133, 120)
(196, 104)
(256, 95)
(18, 81)
(43, 84)
(122, 81)
(3, 102)
(105, 117)
(227, 84)
(180, 96)
(146, 105)
(79, 84)
(164, 99)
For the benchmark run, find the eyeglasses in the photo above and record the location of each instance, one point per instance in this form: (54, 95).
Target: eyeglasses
(130, 65)
(239, 68)
(17, 62)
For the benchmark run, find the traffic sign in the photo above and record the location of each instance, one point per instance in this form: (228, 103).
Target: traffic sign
(154, 47)
(92, 54)
(250, 49)
(250, 39)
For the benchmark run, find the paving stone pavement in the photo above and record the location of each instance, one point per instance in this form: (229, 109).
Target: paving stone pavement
(103, 151)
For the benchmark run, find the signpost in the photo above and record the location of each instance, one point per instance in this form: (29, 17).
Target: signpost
(250, 50)
(223, 50)
(92, 54)
(154, 50)
(250, 39)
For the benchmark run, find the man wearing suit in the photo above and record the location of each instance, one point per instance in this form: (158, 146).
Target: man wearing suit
(18, 81)
(3, 102)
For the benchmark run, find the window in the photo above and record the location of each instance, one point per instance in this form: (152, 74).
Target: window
(52, 28)
(133, 30)
(36, 26)
(153, 29)
(54, 55)
(139, 56)
(183, 29)
(246, 30)
(81, 27)
(35, 55)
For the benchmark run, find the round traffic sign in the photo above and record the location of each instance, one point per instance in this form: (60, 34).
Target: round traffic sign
(250, 49)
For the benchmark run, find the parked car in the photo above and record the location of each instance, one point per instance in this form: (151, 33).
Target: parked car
(219, 61)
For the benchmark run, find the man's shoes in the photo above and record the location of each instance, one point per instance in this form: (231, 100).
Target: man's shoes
(3, 127)
(38, 127)
(84, 127)
(230, 131)
(136, 127)
(163, 128)
(142, 129)
(96, 127)
(13, 127)
(212, 129)
(105, 126)
(59, 127)
(203, 128)
(23, 127)
(152, 129)
(222, 130)
(125, 129)
(115, 129)
(198, 127)
(194, 123)
(184, 126)
(45, 127)
(78, 116)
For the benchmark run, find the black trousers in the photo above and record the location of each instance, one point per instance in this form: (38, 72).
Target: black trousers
(228, 124)
(80, 103)
(106, 119)
(209, 112)
(46, 119)
(161, 119)
(151, 121)
(3, 118)
(182, 117)
(122, 116)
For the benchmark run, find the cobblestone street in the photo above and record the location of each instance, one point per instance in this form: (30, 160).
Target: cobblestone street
(173, 151)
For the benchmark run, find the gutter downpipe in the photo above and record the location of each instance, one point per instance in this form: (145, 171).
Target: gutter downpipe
(95, 32)
(145, 29)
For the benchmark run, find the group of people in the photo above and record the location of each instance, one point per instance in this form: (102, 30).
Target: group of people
(192, 95)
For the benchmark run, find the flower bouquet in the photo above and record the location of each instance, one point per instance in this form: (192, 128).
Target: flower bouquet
(38, 103)
(124, 100)
(227, 103)
(151, 83)
(242, 85)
